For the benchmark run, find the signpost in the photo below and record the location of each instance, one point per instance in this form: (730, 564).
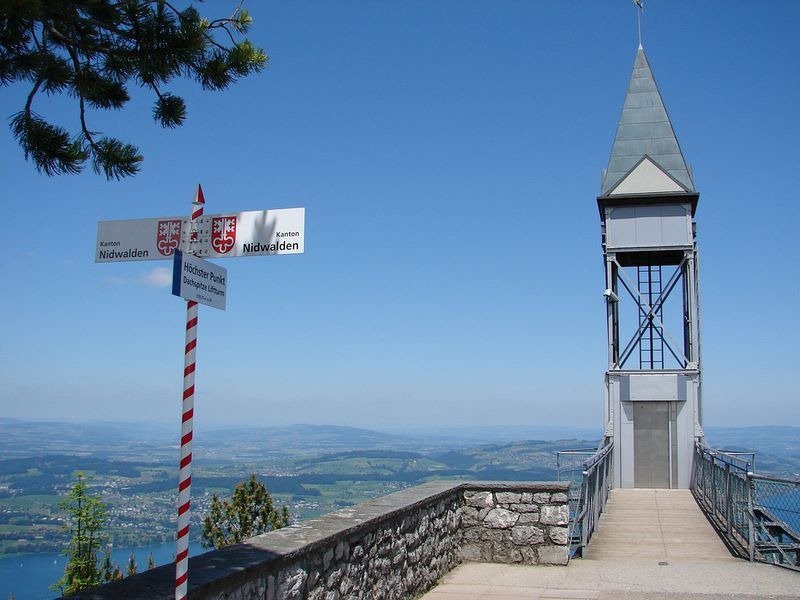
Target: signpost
(187, 242)
(199, 280)
(251, 233)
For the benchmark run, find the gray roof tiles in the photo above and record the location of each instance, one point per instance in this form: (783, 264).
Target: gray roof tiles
(645, 129)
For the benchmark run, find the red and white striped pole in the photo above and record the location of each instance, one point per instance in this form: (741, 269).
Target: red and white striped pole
(187, 414)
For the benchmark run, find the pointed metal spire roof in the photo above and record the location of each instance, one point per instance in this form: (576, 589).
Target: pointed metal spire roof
(645, 129)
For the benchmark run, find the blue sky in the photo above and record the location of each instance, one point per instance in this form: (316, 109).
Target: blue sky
(448, 155)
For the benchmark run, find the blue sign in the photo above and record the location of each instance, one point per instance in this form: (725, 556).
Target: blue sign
(199, 280)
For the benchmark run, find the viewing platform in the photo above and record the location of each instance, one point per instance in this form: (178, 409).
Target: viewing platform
(649, 544)
(481, 541)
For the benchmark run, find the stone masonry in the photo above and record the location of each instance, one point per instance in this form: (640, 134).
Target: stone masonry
(515, 527)
(394, 547)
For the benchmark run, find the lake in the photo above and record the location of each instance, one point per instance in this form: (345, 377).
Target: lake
(29, 576)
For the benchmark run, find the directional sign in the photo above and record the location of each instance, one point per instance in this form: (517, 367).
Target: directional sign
(142, 239)
(250, 233)
(199, 280)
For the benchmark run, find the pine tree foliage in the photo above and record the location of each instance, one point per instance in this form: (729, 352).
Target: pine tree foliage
(249, 511)
(132, 567)
(107, 565)
(94, 51)
(85, 522)
(109, 570)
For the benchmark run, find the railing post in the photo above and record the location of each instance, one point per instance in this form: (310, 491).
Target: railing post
(584, 528)
(714, 485)
(728, 499)
(703, 475)
(596, 495)
(751, 542)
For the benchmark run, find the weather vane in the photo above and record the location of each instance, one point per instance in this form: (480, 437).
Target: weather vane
(639, 4)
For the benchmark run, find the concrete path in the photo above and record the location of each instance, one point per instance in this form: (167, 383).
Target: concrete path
(656, 525)
(650, 544)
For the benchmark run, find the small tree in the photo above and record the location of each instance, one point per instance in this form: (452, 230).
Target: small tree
(249, 511)
(151, 562)
(106, 565)
(86, 519)
(132, 566)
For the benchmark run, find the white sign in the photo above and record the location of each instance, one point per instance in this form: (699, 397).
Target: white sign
(199, 280)
(250, 233)
(142, 239)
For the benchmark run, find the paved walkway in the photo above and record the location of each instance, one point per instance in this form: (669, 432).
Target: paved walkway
(650, 544)
(656, 525)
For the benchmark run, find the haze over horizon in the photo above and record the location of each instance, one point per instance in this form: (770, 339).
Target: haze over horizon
(448, 156)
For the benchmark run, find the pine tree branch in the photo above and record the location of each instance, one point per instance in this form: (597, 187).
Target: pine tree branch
(213, 42)
(81, 101)
(230, 19)
(93, 50)
(230, 35)
(34, 38)
(70, 42)
(177, 12)
(31, 95)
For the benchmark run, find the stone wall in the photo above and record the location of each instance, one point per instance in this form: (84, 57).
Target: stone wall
(394, 547)
(515, 526)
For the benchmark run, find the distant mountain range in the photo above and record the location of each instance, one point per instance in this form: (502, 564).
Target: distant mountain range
(19, 438)
(777, 447)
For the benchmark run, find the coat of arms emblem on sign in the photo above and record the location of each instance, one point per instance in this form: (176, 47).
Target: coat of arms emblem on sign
(168, 236)
(223, 234)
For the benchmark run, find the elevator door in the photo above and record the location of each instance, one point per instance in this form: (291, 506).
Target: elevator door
(651, 444)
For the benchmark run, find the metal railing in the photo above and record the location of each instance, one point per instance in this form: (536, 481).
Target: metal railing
(591, 480)
(758, 516)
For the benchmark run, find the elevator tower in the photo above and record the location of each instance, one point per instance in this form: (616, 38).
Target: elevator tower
(647, 206)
